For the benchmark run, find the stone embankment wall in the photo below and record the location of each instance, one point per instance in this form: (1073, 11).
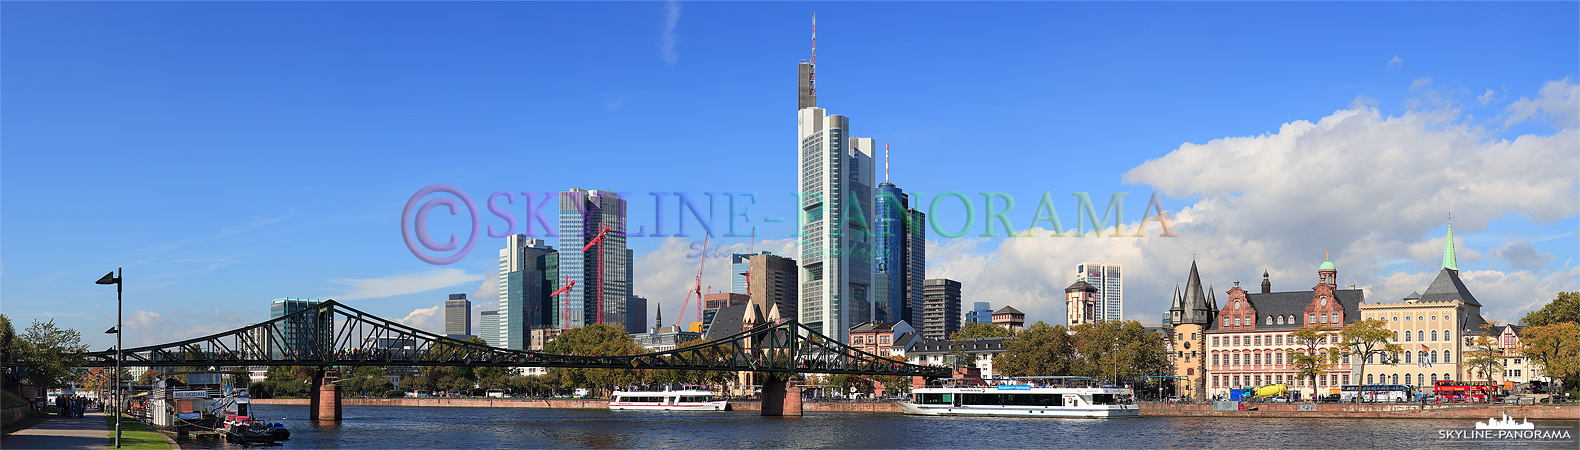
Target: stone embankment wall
(1351, 411)
(1380, 411)
(14, 414)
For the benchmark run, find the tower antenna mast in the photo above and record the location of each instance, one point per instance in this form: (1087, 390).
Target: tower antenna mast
(885, 162)
(811, 75)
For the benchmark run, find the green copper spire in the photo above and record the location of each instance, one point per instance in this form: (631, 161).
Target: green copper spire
(1449, 262)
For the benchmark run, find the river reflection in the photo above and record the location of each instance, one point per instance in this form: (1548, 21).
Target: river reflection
(377, 427)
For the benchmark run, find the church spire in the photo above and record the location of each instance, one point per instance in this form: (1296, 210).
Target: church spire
(1449, 262)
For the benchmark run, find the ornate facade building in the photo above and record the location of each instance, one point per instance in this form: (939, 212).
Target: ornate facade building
(1248, 342)
(1434, 328)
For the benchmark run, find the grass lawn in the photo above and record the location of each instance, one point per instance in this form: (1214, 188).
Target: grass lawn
(11, 399)
(135, 435)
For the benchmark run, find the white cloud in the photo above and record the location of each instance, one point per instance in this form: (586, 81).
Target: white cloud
(1522, 255)
(667, 273)
(1557, 102)
(427, 319)
(1487, 97)
(1396, 63)
(669, 40)
(149, 328)
(401, 284)
(1374, 190)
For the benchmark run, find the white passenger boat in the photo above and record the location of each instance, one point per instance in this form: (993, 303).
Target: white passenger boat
(1022, 397)
(681, 400)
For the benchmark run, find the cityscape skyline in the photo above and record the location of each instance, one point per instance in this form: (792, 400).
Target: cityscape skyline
(1360, 143)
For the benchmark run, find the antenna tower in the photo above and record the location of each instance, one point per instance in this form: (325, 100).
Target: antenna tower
(811, 75)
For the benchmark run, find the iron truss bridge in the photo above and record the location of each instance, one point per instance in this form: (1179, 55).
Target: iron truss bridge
(332, 334)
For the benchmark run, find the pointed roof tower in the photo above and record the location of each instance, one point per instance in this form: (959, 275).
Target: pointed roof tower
(1197, 307)
(1449, 261)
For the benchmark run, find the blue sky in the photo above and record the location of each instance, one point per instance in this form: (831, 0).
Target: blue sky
(230, 153)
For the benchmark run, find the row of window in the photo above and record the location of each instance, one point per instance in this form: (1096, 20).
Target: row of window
(1410, 379)
(1256, 358)
(1420, 335)
(861, 339)
(1422, 357)
(1407, 318)
(1235, 381)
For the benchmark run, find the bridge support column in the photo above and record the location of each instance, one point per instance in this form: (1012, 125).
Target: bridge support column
(324, 395)
(782, 398)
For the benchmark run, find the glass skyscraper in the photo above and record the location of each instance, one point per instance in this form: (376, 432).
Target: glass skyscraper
(299, 337)
(526, 277)
(583, 214)
(1110, 288)
(834, 173)
(897, 247)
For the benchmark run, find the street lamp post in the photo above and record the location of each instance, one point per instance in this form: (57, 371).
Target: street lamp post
(115, 279)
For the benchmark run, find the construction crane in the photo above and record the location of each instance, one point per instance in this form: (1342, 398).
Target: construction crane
(599, 241)
(697, 289)
(565, 314)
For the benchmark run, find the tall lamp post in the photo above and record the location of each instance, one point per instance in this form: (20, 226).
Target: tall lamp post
(115, 279)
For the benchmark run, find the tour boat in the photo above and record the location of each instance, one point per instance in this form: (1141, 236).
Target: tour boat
(681, 400)
(1023, 397)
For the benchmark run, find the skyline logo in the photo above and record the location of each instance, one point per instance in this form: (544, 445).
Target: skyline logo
(419, 239)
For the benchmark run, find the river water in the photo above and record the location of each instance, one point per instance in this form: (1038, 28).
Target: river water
(378, 427)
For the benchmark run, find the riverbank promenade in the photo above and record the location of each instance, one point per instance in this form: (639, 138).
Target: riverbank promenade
(87, 431)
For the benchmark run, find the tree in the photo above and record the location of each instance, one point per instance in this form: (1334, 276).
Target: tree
(1564, 308)
(1312, 361)
(1366, 339)
(1485, 357)
(1039, 350)
(149, 376)
(1556, 349)
(51, 354)
(1117, 350)
(594, 340)
(980, 330)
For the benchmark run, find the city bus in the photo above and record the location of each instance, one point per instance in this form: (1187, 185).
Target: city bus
(1373, 393)
(1460, 391)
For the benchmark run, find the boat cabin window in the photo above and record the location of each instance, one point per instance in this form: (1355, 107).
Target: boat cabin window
(935, 399)
(1012, 399)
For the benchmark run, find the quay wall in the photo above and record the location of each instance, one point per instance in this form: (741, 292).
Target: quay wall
(14, 414)
(1322, 410)
(1371, 411)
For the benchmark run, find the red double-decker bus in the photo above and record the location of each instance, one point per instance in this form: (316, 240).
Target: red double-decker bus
(1463, 391)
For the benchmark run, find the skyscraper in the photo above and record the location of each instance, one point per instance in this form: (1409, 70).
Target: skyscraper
(458, 317)
(525, 269)
(1110, 289)
(899, 246)
(774, 284)
(583, 215)
(941, 310)
(636, 314)
(296, 337)
(835, 179)
(981, 312)
(488, 328)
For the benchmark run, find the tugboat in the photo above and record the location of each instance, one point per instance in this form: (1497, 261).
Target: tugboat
(246, 429)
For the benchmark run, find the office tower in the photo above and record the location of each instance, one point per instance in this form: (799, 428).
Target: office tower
(916, 260)
(458, 317)
(525, 267)
(712, 302)
(835, 179)
(774, 283)
(740, 263)
(899, 246)
(1110, 290)
(296, 337)
(636, 314)
(488, 328)
(888, 252)
(941, 310)
(981, 312)
(583, 215)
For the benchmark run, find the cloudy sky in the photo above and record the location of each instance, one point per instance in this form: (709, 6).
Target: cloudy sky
(228, 153)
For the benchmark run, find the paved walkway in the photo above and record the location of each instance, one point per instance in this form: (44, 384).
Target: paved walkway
(87, 431)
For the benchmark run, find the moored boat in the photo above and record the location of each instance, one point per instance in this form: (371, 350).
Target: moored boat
(1022, 397)
(249, 429)
(681, 400)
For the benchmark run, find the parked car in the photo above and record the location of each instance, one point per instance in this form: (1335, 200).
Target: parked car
(1330, 398)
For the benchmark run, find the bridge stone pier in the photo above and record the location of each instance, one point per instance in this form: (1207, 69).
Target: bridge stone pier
(782, 398)
(325, 396)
